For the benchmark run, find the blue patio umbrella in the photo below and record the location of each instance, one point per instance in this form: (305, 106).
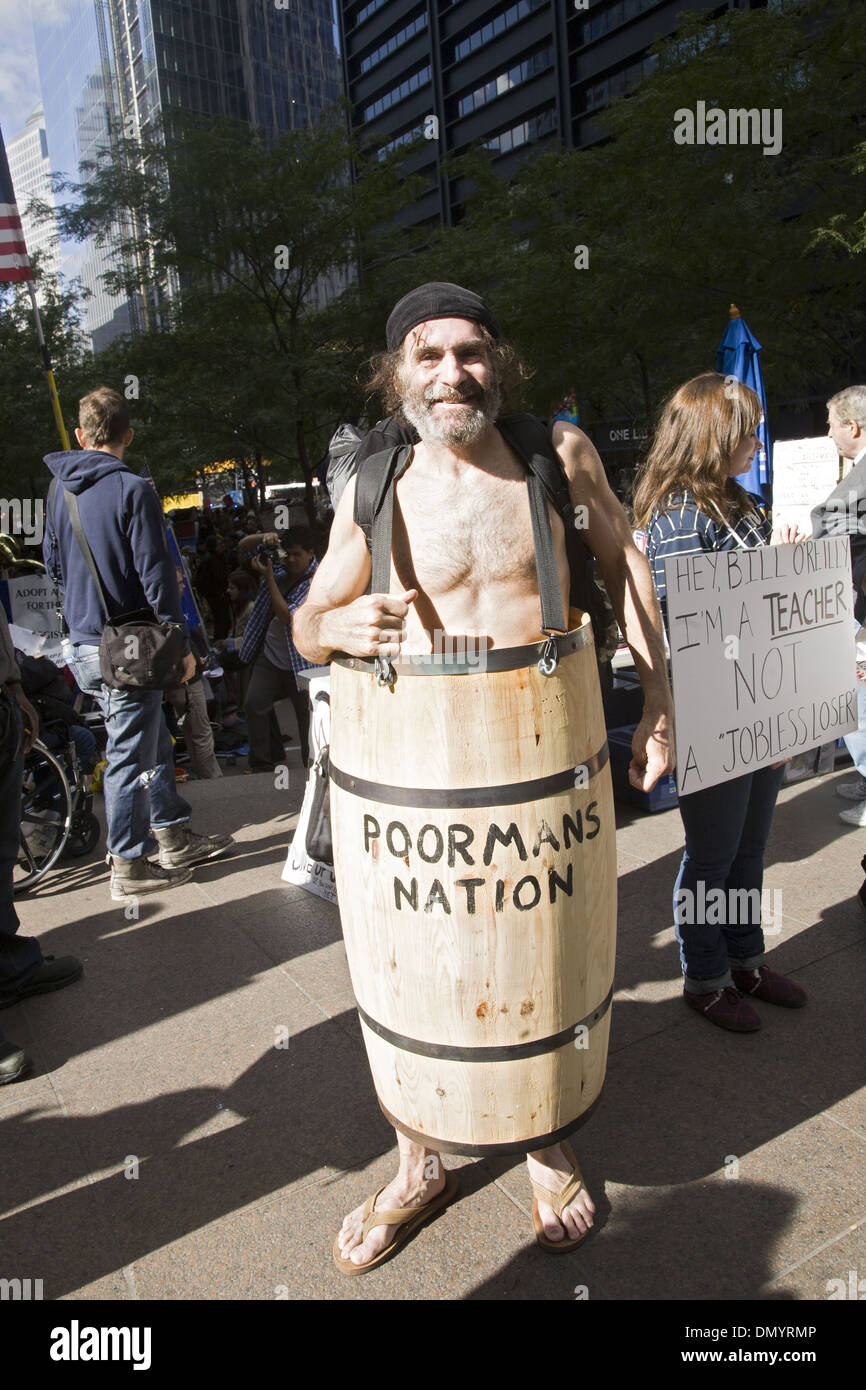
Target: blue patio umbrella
(737, 356)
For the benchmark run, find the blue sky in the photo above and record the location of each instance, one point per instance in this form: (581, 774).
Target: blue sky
(19, 77)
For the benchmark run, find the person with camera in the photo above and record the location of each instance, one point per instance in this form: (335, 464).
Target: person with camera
(286, 568)
(122, 523)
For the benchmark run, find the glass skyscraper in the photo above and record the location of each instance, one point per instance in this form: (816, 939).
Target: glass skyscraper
(111, 68)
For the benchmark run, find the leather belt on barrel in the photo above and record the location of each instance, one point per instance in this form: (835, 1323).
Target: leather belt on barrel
(497, 659)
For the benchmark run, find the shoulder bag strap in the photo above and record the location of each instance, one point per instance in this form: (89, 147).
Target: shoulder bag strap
(78, 531)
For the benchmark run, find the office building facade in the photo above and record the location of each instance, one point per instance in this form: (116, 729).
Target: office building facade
(30, 168)
(510, 74)
(114, 68)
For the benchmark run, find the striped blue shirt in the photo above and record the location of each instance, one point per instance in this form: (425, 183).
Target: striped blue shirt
(680, 529)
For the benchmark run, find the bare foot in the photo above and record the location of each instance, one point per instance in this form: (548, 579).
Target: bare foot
(421, 1178)
(551, 1169)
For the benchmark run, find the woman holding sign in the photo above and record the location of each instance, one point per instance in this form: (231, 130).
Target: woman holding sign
(688, 502)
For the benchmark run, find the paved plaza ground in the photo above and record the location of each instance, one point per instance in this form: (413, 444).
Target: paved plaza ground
(165, 1148)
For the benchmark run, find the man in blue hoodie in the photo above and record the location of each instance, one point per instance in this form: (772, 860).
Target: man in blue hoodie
(124, 527)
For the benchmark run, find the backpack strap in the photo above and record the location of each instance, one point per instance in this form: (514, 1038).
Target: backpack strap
(374, 508)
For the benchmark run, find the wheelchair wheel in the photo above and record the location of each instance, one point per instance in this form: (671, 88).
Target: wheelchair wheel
(83, 834)
(46, 816)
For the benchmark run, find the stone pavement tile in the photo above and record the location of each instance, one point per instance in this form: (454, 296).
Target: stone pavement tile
(648, 835)
(32, 1092)
(253, 1254)
(162, 973)
(823, 1166)
(289, 922)
(254, 864)
(826, 1272)
(64, 1238)
(109, 1290)
(315, 1094)
(321, 973)
(31, 1167)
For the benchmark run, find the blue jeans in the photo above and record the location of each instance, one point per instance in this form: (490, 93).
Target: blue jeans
(139, 783)
(727, 827)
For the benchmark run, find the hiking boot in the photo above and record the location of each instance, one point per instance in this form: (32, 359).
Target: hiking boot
(14, 1062)
(132, 877)
(180, 847)
(765, 984)
(726, 1008)
(49, 975)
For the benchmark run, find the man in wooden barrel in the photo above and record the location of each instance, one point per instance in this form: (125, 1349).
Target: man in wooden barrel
(465, 541)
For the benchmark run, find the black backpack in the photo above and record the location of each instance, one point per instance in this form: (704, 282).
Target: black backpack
(531, 440)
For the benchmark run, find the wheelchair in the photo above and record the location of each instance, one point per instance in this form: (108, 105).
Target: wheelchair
(56, 808)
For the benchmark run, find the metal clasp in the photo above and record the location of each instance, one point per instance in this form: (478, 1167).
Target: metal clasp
(385, 673)
(549, 659)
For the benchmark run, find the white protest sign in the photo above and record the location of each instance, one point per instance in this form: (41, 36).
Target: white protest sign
(805, 471)
(31, 601)
(762, 656)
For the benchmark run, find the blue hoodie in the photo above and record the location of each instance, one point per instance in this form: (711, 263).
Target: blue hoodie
(124, 526)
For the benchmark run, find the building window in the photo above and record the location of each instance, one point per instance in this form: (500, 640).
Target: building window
(396, 41)
(619, 83)
(617, 14)
(503, 21)
(405, 139)
(411, 84)
(532, 129)
(504, 82)
(365, 13)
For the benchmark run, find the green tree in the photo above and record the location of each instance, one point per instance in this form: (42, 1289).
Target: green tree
(243, 256)
(27, 427)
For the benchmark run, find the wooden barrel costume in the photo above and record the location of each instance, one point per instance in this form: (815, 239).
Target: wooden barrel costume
(474, 847)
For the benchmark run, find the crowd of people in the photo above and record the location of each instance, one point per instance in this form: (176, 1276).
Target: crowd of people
(275, 610)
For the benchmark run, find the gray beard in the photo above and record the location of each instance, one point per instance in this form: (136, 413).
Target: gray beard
(418, 410)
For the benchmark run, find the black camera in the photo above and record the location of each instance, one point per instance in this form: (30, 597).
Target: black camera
(266, 552)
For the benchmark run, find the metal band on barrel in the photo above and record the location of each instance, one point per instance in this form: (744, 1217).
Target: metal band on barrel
(515, 1146)
(516, 1052)
(496, 659)
(455, 798)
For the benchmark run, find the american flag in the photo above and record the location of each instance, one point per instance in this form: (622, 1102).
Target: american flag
(14, 263)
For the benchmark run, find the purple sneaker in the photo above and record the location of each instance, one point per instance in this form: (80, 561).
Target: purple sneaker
(726, 1008)
(765, 984)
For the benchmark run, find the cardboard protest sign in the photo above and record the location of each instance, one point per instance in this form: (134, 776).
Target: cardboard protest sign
(805, 471)
(762, 656)
(30, 601)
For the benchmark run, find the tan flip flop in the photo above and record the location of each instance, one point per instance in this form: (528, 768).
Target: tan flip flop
(406, 1219)
(558, 1201)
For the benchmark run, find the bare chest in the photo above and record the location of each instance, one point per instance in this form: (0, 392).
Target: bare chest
(476, 534)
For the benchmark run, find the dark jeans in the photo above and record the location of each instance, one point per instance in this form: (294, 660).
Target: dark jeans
(20, 956)
(727, 827)
(139, 783)
(267, 685)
